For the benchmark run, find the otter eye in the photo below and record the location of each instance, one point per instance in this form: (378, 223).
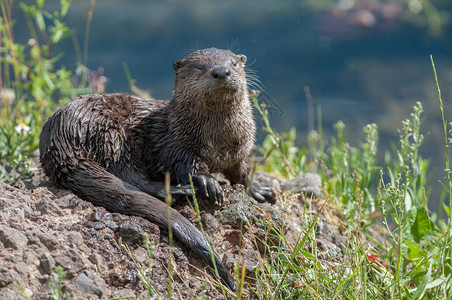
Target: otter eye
(197, 66)
(235, 63)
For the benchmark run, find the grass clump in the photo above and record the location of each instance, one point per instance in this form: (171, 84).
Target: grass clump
(32, 84)
(56, 281)
(414, 263)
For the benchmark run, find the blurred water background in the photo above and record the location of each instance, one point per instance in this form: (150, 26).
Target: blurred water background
(363, 61)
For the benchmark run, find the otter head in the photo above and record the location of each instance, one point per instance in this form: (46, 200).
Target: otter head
(216, 76)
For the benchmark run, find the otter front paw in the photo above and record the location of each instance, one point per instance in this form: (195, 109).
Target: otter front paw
(262, 194)
(208, 188)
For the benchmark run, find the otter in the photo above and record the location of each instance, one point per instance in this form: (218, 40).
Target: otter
(115, 149)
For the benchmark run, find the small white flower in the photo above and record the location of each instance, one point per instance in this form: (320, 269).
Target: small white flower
(22, 127)
(7, 96)
(32, 42)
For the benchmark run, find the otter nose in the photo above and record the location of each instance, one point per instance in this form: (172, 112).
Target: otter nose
(220, 72)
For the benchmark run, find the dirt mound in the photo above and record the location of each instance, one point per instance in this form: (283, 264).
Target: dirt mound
(43, 229)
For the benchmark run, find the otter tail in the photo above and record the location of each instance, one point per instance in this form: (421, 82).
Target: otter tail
(93, 183)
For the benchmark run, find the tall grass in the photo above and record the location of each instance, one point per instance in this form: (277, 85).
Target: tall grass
(418, 254)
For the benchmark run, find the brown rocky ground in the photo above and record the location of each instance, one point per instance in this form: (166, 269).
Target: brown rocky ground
(42, 227)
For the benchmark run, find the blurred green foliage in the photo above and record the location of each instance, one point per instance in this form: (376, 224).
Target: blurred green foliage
(32, 85)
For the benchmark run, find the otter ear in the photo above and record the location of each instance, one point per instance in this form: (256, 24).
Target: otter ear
(178, 64)
(242, 58)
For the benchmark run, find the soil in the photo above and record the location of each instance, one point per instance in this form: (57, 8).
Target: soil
(43, 228)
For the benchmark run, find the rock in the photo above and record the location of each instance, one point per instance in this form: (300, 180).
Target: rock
(30, 257)
(47, 207)
(68, 201)
(26, 210)
(130, 234)
(17, 214)
(124, 294)
(273, 211)
(82, 206)
(76, 239)
(98, 225)
(11, 292)
(239, 213)
(108, 220)
(12, 238)
(99, 261)
(7, 276)
(50, 241)
(143, 296)
(327, 250)
(5, 202)
(230, 260)
(71, 260)
(86, 285)
(96, 215)
(46, 263)
(235, 238)
(308, 183)
(101, 219)
(118, 217)
(210, 222)
(180, 257)
(34, 242)
(19, 184)
(69, 291)
(264, 239)
(43, 192)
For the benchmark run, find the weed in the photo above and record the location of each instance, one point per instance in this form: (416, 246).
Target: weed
(418, 256)
(56, 280)
(144, 273)
(32, 86)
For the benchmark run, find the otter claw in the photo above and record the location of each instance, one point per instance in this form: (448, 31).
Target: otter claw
(209, 188)
(262, 194)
